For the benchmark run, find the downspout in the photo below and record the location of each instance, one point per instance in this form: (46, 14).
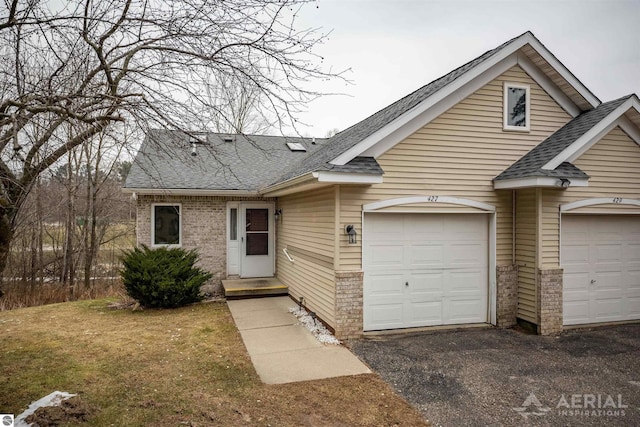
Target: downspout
(513, 227)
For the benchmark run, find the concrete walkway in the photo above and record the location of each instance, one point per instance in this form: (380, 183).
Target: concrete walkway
(282, 351)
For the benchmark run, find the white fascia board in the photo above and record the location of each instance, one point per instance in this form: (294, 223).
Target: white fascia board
(630, 129)
(512, 184)
(563, 71)
(188, 192)
(288, 183)
(409, 122)
(435, 98)
(586, 141)
(347, 178)
(545, 83)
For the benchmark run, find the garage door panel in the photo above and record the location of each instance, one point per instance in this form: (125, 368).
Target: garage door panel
(470, 310)
(607, 310)
(601, 259)
(421, 282)
(467, 255)
(427, 313)
(575, 255)
(444, 256)
(385, 256)
(425, 255)
(386, 316)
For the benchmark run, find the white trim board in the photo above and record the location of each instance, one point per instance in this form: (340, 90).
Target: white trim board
(597, 132)
(372, 207)
(598, 201)
(548, 182)
(463, 86)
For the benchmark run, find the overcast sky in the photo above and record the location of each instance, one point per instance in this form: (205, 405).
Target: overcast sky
(392, 47)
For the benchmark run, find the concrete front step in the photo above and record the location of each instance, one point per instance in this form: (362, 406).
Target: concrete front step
(243, 288)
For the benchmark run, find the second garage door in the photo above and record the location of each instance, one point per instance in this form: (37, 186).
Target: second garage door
(425, 269)
(601, 261)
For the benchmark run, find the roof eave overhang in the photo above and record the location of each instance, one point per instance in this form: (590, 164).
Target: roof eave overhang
(187, 192)
(539, 182)
(319, 179)
(461, 87)
(597, 132)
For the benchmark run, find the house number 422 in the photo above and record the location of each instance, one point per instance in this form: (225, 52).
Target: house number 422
(617, 200)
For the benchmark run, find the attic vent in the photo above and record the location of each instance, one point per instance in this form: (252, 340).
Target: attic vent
(296, 146)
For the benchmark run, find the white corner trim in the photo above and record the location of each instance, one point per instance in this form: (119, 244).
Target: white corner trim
(505, 102)
(598, 201)
(370, 207)
(347, 178)
(512, 184)
(593, 135)
(548, 86)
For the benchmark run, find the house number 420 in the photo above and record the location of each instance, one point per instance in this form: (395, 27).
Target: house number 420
(617, 200)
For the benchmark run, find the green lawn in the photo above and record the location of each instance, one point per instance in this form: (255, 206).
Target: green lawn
(167, 367)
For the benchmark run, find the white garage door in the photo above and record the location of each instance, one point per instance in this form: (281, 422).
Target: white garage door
(601, 261)
(425, 269)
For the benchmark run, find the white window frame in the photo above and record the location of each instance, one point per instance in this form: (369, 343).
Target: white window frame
(153, 226)
(505, 107)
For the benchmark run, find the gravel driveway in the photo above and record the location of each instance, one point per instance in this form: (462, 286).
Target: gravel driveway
(504, 377)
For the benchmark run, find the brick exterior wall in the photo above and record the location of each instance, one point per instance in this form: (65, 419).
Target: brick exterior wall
(348, 304)
(204, 227)
(507, 295)
(550, 301)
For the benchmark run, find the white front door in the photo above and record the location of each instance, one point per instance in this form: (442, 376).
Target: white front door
(601, 261)
(425, 269)
(256, 240)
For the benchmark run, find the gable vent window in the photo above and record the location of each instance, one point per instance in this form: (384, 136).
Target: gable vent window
(296, 146)
(517, 107)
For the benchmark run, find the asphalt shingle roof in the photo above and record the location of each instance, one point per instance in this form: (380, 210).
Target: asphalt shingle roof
(164, 161)
(530, 165)
(351, 136)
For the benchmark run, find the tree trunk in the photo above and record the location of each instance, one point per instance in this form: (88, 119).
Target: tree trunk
(6, 235)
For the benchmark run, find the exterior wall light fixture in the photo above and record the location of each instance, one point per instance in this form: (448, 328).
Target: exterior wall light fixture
(564, 183)
(351, 232)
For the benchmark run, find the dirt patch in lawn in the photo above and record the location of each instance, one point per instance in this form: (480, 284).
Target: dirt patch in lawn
(72, 410)
(185, 366)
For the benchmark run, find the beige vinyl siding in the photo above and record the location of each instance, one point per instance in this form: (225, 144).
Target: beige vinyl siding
(613, 165)
(457, 154)
(306, 229)
(526, 247)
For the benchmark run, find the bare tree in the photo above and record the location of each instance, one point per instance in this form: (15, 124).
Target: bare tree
(69, 70)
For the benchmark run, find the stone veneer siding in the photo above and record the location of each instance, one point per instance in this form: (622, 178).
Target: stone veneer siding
(204, 227)
(507, 295)
(348, 304)
(550, 301)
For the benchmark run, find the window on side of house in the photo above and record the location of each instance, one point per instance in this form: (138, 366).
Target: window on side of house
(166, 229)
(517, 106)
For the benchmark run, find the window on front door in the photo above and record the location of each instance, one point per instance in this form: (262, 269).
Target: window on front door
(257, 231)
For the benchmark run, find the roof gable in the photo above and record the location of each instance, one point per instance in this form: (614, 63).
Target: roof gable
(382, 130)
(553, 157)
